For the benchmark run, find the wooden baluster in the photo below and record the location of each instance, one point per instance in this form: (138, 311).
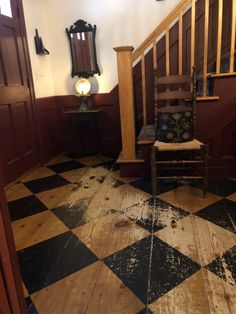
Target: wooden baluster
(231, 66)
(219, 36)
(154, 54)
(193, 17)
(144, 95)
(155, 85)
(205, 53)
(167, 52)
(167, 58)
(155, 100)
(126, 98)
(180, 43)
(194, 90)
(160, 29)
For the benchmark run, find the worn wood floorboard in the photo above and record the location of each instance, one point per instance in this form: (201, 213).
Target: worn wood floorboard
(37, 228)
(188, 297)
(110, 215)
(106, 235)
(70, 295)
(110, 295)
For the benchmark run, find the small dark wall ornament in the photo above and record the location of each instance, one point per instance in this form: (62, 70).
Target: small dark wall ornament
(39, 47)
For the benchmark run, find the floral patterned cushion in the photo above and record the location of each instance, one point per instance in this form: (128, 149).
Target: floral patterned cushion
(175, 125)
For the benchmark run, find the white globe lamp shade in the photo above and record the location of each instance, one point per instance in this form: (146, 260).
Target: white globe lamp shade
(83, 86)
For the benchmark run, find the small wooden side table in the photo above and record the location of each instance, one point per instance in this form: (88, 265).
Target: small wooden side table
(91, 117)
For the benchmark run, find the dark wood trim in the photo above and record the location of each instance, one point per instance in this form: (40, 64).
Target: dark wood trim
(4, 302)
(30, 79)
(48, 124)
(9, 260)
(20, 133)
(133, 170)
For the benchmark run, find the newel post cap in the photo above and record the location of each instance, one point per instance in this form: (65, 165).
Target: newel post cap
(124, 48)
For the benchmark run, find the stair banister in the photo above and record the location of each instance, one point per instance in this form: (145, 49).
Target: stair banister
(219, 35)
(193, 18)
(144, 96)
(160, 29)
(167, 52)
(205, 48)
(232, 48)
(180, 43)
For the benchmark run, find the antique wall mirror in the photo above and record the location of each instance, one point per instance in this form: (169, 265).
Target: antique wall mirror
(83, 50)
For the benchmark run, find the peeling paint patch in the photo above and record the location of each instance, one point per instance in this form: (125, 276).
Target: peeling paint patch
(225, 267)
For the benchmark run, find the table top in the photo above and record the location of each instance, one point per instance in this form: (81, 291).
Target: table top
(82, 112)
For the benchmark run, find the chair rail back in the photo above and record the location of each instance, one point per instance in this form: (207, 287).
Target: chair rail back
(171, 101)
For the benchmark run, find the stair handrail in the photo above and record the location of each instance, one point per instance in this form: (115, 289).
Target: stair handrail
(160, 29)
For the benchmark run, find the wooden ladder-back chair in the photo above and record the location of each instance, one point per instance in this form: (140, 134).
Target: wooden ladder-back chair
(176, 146)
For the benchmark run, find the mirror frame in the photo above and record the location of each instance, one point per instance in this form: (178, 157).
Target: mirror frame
(83, 26)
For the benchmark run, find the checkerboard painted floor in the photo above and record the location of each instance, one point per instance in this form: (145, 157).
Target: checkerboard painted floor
(89, 241)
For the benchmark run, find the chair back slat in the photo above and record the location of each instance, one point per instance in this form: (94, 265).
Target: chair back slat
(177, 94)
(174, 97)
(174, 109)
(173, 79)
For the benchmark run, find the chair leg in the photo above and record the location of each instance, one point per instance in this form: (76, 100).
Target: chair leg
(153, 172)
(205, 184)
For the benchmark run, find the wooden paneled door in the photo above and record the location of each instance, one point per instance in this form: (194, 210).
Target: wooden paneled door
(18, 144)
(11, 292)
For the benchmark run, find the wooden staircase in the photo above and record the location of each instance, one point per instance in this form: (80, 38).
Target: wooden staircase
(199, 33)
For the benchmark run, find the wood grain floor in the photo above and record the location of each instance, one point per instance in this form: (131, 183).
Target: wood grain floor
(172, 255)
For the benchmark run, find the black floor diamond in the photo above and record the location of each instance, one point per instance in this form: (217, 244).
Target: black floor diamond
(78, 155)
(169, 268)
(221, 187)
(47, 183)
(25, 207)
(162, 213)
(72, 215)
(66, 166)
(49, 261)
(223, 263)
(222, 213)
(162, 186)
(145, 311)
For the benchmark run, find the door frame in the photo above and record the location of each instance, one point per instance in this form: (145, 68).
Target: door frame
(38, 132)
(11, 282)
(37, 142)
(9, 261)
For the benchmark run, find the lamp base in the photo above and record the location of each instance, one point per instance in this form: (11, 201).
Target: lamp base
(83, 107)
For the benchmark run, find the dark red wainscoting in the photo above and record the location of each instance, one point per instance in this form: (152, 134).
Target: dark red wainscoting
(58, 133)
(108, 123)
(48, 115)
(216, 125)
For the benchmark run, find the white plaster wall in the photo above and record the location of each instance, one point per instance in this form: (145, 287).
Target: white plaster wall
(119, 22)
(41, 65)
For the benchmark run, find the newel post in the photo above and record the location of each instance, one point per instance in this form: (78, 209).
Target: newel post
(126, 97)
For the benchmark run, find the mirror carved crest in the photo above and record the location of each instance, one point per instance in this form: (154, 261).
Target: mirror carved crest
(81, 37)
